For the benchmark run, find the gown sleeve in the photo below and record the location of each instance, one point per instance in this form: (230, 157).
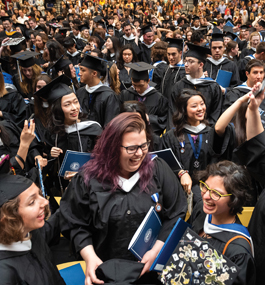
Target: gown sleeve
(174, 199)
(75, 214)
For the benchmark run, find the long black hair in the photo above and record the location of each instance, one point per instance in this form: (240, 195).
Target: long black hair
(120, 61)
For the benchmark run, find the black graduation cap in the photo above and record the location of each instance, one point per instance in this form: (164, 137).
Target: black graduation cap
(94, 63)
(146, 29)
(245, 27)
(110, 27)
(41, 28)
(21, 26)
(196, 18)
(60, 18)
(63, 30)
(119, 271)
(261, 23)
(228, 29)
(177, 43)
(25, 58)
(102, 42)
(11, 186)
(217, 37)
(139, 69)
(4, 18)
(230, 35)
(83, 27)
(198, 52)
(56, 89)
(61, 63)
(97, 19)
(216, 31)
(203, 30)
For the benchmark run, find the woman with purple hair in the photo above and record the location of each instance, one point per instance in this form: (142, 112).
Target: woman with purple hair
(107, 200)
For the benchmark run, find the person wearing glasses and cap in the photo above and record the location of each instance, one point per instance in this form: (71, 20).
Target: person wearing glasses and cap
(106, 202)
(25, 236)
(98, 101)
(195, 59)
(156, 104)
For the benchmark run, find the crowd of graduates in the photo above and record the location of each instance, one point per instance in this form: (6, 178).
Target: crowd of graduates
(120, 79)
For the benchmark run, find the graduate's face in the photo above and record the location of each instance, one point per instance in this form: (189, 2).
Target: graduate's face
(40, 84)
(127, 56)
(255, 40)
(226, 40)
(217, 49)
(140, 86)
(173, 55)
(256, 75)
(218, 208)
(27, 71)
(32, 208)
(196, 109)
(109, 43)
(39, 42)
(129, 163)
(71, 107)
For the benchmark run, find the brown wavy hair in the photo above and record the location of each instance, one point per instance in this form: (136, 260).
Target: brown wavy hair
(27, 84)
(159, 51)
(11, 223)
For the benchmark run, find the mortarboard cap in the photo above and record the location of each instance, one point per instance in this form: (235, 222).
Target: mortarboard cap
(97, 19)
(61, 63)
(41, 28)
(147, 28)
(198, 52)
(21, 26)
(228, 29)
(245, 27)
(83, 27)
(5, 18)
(262, 23)
(94, 63)
(203, 30)
(196, 18)
(139, 69)
(11, 186)
(60, 18)
(25, 58)
(177, 43)
(63, 30)
(230, 35)
(110, 27)
(217, 37)
(216, 31)
(56, 89)
(119, 271)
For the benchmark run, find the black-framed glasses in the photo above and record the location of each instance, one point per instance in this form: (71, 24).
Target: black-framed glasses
(189, 62)
(134, 148)
(214, 194)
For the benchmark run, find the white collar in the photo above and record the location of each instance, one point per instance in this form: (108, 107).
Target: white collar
(73, 54)
(24, 245)
(156, 63)
(195, 129)
(216, 62)
(146, 91)
(127, 184)
(149, 46)
(93, 88)
(179, 63)
(254, 49)
(81, 126)
(195, 80)
(112, 54)
(131, 37)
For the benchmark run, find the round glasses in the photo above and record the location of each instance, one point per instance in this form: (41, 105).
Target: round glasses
(214, 194)
(134, 148)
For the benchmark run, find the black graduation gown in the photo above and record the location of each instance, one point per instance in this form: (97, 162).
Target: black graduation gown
(211, 91)
(16, 81)
(246, 51)
(226, 65)
(94, 215)
(257, 231)
(156, 105)
(234, 94)
(187, 159)
(241, 44)
(125, 78)
(33, 266)
(238, 251)
(74, 58)
(242, 67)
(13, 108)
(104, 105)
(170, 77)
(158, 73)
(145, 52)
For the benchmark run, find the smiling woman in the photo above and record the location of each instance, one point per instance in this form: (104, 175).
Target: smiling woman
(24, 251)
(224, 189)
(106, 202)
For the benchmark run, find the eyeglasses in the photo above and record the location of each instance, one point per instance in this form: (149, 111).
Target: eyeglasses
(214, 194)
(134, 148)
(189, 62)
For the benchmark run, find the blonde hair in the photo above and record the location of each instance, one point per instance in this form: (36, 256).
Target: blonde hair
(251, 36)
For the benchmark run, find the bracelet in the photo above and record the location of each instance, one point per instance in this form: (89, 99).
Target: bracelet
(182, 173)
(20, 158)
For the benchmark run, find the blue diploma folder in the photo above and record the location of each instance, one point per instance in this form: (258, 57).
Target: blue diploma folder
(146, 235)
(169, 157)
(223, 78)
(73, 160)
(169, 246)
(73, 275)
